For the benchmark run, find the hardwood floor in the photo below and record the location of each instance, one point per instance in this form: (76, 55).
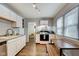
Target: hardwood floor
(33, 49)
(41, 50)
(52, 50)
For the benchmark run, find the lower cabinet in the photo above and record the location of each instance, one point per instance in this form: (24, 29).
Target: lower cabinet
(11, 47)
(15, 45)
(37, 38)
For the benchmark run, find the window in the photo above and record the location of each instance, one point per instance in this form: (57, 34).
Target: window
(71, 24)
(60, 26)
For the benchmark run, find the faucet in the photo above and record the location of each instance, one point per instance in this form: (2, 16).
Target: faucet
(9, 32)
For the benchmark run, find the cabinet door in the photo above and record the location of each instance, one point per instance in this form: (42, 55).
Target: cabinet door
(11, 47)
(23, 41)
(15, 45)
(6, 13)
(37, 38)
(19, 21)
(3, 11)
(18, 45)
(11, 17)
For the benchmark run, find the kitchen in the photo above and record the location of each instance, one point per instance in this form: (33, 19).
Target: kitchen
(39, 28)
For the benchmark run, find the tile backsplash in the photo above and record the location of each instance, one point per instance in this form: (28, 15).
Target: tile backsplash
(4, 25)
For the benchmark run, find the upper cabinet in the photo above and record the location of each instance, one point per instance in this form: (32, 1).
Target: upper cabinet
(8, 14)
(12, 15)
(19, 21)
(4, 12)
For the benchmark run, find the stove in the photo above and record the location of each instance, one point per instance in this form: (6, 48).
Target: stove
(44, 37)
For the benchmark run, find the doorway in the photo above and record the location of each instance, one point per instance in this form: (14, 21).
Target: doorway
(31, 31)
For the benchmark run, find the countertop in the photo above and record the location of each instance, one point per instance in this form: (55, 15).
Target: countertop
(63, 44)
(6, 38)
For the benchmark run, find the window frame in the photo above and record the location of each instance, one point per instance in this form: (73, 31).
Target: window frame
(70, 25)
(60, 27)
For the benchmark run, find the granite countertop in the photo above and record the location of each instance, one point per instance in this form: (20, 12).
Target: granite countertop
(6, 38)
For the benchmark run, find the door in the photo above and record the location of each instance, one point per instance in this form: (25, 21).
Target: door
(31, 28)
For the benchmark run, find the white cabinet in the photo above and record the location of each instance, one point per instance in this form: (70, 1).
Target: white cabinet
(18, 44)
(19, 21)
(11, 47)
(12, 15)
(15, 45)
(7, 13)
(37, 38)
(4, 12)
(21, 42)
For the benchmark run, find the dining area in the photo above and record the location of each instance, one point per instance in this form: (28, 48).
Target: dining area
(63, 46)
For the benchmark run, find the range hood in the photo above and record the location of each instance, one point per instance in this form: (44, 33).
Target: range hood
(44, 28)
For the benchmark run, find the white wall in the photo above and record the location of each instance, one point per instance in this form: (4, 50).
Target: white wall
(4, 25)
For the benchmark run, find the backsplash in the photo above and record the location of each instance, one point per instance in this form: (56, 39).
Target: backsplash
(4, 25)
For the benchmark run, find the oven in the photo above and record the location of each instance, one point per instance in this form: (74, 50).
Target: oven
(44, 37)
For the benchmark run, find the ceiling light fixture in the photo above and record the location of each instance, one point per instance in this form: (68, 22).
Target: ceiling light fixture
(34, 5)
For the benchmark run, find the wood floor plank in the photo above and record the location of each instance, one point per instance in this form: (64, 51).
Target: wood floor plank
(52, 51)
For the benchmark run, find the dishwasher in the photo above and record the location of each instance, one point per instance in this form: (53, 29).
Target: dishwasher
(3, 49)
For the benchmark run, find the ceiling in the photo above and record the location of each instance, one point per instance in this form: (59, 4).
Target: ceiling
(27, 11)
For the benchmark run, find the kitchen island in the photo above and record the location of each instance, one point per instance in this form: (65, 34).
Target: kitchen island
(11, 45)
